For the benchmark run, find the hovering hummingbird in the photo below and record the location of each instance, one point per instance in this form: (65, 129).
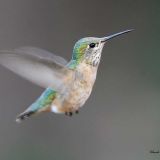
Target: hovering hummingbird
(67, 84)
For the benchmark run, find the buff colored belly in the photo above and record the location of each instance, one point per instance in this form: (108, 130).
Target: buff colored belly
(79, 91)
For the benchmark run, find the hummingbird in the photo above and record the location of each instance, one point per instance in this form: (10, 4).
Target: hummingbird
(68, 84)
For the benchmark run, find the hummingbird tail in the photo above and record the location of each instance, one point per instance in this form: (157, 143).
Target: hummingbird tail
(24, 116)
(42, 104)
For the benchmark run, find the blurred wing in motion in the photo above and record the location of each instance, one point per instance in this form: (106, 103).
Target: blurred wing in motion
(36, 65)
(41, 53)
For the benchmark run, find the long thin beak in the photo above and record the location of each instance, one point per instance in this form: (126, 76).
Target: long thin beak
(104, 39)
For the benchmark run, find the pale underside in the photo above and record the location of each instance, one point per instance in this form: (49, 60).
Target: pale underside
(47, 70)
(77, 91)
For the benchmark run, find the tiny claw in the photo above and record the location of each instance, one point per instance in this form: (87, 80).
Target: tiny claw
(70, 114)
(77, 111)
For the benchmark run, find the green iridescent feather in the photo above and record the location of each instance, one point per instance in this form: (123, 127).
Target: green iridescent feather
(78, 52)
(44, 100)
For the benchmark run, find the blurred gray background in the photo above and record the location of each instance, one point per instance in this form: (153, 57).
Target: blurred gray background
(121, 119)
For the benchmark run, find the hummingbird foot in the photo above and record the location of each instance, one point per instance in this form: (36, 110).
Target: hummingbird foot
(70, 114)
(77, 111)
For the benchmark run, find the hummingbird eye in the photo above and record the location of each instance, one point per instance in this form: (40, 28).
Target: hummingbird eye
(92, 45)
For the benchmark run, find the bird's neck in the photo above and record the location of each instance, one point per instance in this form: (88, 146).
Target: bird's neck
(90, 61)
(86, 73)
(72, 64)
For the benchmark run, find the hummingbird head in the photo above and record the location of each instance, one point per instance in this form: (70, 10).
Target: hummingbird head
(89, 49)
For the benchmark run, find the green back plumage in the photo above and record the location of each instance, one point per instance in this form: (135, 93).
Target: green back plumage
(78, 52)
(44, 100)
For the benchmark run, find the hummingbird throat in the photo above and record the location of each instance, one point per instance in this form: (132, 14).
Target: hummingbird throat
(93, 57)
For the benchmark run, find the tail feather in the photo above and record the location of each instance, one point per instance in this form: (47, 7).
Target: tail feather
(40, 105)
(24, 116)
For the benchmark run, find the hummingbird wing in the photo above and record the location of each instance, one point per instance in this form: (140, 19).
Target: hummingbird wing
(36, 65)
(42, 54)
